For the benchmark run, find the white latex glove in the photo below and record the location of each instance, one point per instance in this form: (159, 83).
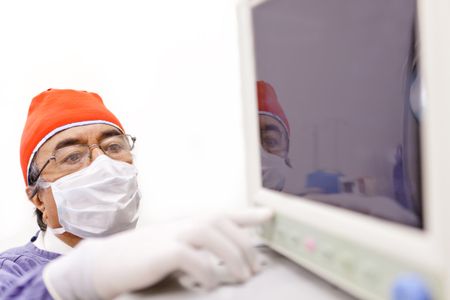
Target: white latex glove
(107, 267)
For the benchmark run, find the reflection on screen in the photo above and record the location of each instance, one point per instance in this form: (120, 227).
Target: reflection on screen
(339, 103)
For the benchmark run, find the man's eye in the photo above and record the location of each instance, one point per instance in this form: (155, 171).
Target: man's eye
(73, 158)
(114, 148)
(270, 142)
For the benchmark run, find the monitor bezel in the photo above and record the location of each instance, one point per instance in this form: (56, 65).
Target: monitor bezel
(428, 245)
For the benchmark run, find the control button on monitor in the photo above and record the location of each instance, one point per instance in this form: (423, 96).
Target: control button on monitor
(281, 236)
(310, 244)
(346, 263)
(369, 274)
(295, 240)
(326, 253)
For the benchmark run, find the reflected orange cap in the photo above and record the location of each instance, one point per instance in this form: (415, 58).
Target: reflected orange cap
(268, 102)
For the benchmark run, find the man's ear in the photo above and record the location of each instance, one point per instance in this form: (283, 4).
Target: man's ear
(34, 198)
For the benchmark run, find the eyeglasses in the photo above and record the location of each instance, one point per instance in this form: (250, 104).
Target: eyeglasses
(73, 158)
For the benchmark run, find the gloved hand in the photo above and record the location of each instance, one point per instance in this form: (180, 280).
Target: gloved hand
(107, 267)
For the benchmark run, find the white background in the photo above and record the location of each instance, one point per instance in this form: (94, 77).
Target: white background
(169, 71)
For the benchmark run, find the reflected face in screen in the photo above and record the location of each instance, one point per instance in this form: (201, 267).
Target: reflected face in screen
(274, 138)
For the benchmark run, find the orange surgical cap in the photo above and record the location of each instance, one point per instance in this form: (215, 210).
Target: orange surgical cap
(53, 111)
(268, 104)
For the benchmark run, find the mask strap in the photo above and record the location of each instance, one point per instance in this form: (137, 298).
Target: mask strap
(44, 184)
(59, 230)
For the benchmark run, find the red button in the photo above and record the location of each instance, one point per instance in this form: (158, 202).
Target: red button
(310, 244)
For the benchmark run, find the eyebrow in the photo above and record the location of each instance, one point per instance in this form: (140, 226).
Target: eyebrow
(109, 133)
(271, 127)
(67, 142)
(77, 141)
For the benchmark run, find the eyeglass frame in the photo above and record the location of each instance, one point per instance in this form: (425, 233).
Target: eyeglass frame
(91, 147)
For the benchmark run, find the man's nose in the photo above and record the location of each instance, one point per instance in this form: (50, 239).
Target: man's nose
(96, 152)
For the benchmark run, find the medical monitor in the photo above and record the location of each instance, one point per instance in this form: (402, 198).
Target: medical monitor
(345, 113)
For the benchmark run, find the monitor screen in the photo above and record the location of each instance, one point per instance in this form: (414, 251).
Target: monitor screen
(339, 104)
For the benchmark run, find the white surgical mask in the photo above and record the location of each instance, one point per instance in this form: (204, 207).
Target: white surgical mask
(274, 170)
(99, 200)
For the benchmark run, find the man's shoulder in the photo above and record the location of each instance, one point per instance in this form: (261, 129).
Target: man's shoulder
(13, 259)
(13, 253)
(23, 258)
(20, 262)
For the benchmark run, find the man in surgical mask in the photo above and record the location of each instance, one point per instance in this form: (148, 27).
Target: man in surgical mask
(274, 136)
(78, 169)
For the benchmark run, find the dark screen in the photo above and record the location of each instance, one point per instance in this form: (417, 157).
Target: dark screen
(339, 102)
